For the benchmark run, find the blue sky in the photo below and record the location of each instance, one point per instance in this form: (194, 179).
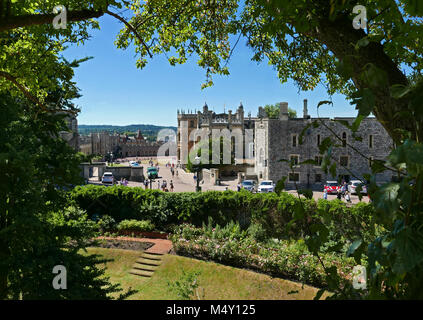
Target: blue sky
(115, 92)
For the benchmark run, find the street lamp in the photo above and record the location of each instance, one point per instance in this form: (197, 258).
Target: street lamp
(197, 162)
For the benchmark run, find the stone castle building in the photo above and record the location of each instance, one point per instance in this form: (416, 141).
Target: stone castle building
(71, 136)
(209, 120)
(123, 145)
(278, 139)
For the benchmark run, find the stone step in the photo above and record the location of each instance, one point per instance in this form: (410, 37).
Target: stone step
(149, 262)
(142, 273)
(153, 253)
(151, 256)
(146, 267)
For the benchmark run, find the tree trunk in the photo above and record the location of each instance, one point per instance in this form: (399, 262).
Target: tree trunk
(340, 38)
(4, 253)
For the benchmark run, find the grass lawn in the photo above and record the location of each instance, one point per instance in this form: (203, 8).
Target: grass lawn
(218, 281)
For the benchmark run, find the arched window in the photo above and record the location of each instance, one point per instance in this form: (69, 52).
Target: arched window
(344, 139)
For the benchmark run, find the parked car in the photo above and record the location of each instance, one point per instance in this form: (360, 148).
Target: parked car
(108, 178)
(331, 187)
(249, 185)
(152, 173)
(134, 164)
(266, 186)
(352, 186)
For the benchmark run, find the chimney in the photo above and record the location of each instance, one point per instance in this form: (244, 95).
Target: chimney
(283, 111)
(305, 110)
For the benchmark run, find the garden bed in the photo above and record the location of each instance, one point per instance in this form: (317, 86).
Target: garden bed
(122, 244)
(142, 234)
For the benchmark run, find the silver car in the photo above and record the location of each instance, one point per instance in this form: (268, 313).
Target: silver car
(266, 186)
(249, 185)
(108, 178)
(352, 186)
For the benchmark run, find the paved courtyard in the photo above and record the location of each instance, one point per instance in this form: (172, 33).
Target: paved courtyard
(184, 182)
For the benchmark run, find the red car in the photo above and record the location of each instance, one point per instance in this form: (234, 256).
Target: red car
(332, 187)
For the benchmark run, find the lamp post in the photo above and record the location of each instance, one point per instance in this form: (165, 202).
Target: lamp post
(197, 162)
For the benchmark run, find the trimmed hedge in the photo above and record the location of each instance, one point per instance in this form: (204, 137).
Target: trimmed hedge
(271, 211)
(135, 225)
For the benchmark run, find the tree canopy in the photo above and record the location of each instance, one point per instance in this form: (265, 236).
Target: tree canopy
(272, 111)
(379, 68)
(310, 42)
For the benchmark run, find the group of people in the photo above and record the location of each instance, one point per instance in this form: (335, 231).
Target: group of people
(162, 186)
(342, 193)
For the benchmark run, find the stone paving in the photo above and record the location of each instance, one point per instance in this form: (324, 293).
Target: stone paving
(184, 182)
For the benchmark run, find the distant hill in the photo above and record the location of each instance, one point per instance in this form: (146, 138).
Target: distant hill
(149, 131)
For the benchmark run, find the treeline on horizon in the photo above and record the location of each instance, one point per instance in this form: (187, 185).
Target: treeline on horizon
(149, 131)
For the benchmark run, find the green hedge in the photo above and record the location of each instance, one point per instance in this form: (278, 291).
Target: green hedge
(136, 225)
(271, 211)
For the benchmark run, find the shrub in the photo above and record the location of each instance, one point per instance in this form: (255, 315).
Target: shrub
(135, 225)
(272, 212)
(286, 258)
(106, 223)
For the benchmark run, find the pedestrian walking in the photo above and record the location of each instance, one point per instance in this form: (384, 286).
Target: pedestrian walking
(146, 183)
(158, 184)
(347, 197)
(344, 189)
(325, 194)
(171, 186)
(238, 187)
(339, 195)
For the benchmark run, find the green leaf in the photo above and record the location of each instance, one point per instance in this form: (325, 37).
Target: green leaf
(399, 91)
(385, 199)
(280, 185)
(325, 144)
(321, 103)
(378, 166)
(356, 250)
(408, 245)
(414, 7)
(319, 294)
(364, 101)
(299, 211)
(308, 193)
(332, 169)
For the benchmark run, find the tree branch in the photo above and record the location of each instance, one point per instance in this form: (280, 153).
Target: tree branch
(10, 23)
(31, 97)
(130, 27)
(24, 90)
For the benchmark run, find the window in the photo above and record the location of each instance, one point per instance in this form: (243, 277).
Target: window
(318, 178)
(295, 160)
(371, 141)
(294, 177)
(318, 140)
(191, 123)
(370, 161)
(344, 139)
(318, 160)
(343, 160)
(294, 140)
